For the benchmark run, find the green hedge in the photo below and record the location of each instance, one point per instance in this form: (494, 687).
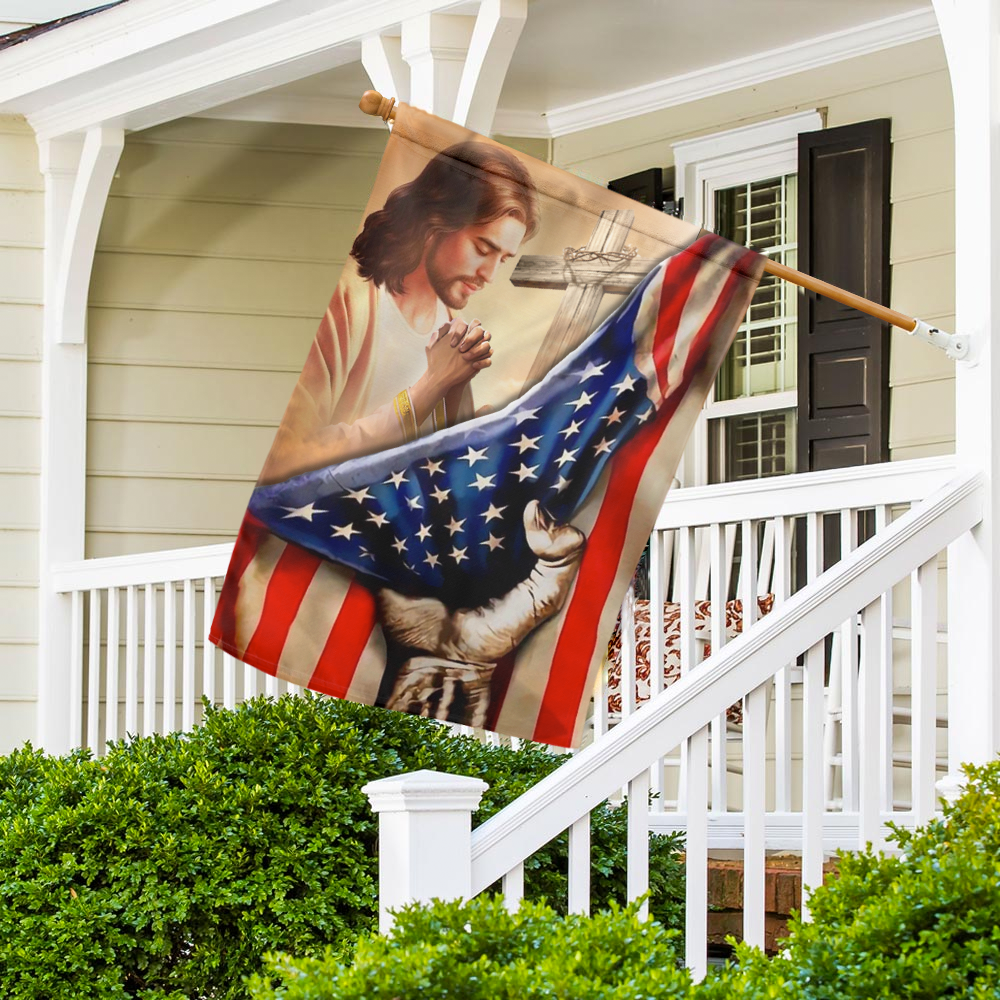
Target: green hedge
(924, 925)
(167, 868)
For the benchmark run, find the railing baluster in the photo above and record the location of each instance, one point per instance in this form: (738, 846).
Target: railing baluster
(637, 840)
(111, 678)
(754, 759)
(76, 670)
(228, 680)
(783, 678)
(578, 900)
(869, 822)
(94, 673)
(601, 700)
(250, 676)
(188, 657)
(628, 672)
(696, 857)
(812, 735)
(849, 678)
(131, 662)
(207, 649)
(149, 663)
(513, 888)
(169, 657)
(686, 584)
(272, 686)
(718, 594)
(656, 645)
(923, 683)
(887, 792)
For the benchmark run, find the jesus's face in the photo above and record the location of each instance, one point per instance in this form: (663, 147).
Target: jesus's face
(462, 262)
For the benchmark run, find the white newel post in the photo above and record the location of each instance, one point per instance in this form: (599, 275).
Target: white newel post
(970, 31)
(424, 838)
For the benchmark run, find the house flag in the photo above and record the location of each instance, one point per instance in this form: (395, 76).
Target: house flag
(482, 435)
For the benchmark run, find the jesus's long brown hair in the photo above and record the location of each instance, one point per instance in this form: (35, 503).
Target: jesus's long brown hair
(469, 183)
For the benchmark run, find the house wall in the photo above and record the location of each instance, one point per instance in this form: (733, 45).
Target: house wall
(910, 85)
(21, 240)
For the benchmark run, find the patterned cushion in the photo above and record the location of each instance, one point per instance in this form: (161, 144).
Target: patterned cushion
(671, 645)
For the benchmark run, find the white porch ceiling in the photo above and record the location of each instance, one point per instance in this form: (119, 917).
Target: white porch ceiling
(580, 63)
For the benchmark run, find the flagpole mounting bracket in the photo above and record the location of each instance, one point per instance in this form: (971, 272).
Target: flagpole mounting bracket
(954, 345)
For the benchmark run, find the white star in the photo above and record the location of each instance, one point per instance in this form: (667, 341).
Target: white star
(345, 531)
(583, 400)
(414, 503)
(482, 482)
(560, 485)
(440, 494)
(625, 385)
(525, 472)
(397, 479)
(360, 495)
(458, 554)
(645, 415)
(409, 566)
(591, 370)
(473, 456)
(306, 513)
(525, 415)
(365, 554)
(423, 531)
(432, 559)
(493, 543)
(431, 467)
(399, 545)
(492, 512)
(567, 456)
(454, 525)
(614, 416)
(574, 428)
(604, 448)
(526, 444)
(378, 519)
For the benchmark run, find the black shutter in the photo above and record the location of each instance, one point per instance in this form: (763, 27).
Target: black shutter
(646, 186)
(843, 354)
(843, 362)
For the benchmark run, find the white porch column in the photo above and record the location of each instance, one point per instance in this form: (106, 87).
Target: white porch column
(970, 30)
(78, 172)
(424, 838)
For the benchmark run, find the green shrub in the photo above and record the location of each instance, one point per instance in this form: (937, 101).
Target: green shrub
(167, 868)
(923, 925)
(479, 951)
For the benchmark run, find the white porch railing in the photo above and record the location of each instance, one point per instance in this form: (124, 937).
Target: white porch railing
(746, 668)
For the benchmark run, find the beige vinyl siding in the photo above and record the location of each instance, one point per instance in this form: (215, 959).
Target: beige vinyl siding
(910, 85)
(21, 240)
(220, 247)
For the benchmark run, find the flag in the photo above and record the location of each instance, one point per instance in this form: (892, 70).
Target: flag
(471, 569)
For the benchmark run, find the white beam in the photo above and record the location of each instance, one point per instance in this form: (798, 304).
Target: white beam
(383, 62)
(970, 31)
(102, 148)
(436, 47)
(494, 38)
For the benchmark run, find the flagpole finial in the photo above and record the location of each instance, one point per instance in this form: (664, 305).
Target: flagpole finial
(373, 103)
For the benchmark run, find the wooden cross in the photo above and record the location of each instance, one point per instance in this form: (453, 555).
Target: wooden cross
(585, 284)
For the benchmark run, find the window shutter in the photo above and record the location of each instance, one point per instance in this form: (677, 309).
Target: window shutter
(843, 365)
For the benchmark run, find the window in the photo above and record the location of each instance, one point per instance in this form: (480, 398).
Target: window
(742, 184)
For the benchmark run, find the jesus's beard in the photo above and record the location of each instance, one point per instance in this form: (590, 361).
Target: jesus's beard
(450, 289)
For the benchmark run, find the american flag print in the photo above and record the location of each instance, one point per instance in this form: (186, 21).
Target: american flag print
(475, 574)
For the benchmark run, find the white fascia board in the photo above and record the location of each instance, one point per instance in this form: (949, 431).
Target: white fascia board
(151, 61)
(761, 66)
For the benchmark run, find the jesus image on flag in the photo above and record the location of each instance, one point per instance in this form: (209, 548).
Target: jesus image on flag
(481, 437)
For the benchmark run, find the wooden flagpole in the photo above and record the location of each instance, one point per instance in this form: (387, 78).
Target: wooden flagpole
(954, 345)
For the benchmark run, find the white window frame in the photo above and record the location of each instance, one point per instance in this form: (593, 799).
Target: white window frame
(701, 166)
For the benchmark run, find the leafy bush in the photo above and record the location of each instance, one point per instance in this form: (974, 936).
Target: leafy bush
(479, 951)
(924, 925)
(168, 867)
